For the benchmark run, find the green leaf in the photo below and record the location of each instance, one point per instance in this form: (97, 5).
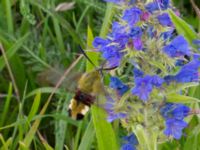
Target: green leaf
(30, 135)
(88, 137)
(105, 134)
(182, 27)
(181, 99)
(35, 106)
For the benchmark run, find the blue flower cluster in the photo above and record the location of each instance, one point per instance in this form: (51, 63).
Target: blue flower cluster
(174, 115)
(144, 38)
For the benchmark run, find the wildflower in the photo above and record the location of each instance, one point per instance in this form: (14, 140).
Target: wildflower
(112, 54)
(164, 4)
(143, 87)
(132, 15)
(100, 42)
(176, 111)
(137, 43)
(153, 6)
(167, 35)
(112, 115)
(130, 142)
(177, 47)
(164, 19)
(189, 72)
(174, 128)
(157, 81)
(136, 32)
(118, 85)
(115, 1)
(137, 73)
(174, 115)
(150, 32)
(119, 34)
(197, 43)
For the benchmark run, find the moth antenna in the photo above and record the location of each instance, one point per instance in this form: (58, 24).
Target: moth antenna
(86, 56)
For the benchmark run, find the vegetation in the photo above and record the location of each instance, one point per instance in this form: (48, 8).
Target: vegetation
(36, 36)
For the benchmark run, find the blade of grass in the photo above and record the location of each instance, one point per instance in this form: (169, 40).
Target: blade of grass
(8, 13)
(10, 71)
(110, 10)
(88, 137)
(6, 105)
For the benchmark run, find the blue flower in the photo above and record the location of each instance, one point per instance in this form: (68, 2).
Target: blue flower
(100, 42)
(178, 47)
(180, 62)
(197, 43)
(119, 34)
(137, 73)
(112, 54)
(114, 115)
(128, 146)
(150, 32)
(157, 81)
(167, 35)
(164, 19)
(130, 142)
(118, 85)
(153, 6)
(174, 110)
(143, 87)
(188, 73)
(115, 1)
(164, 4)
(174, 128)
(136, 32)
(169, 78)
(132, 15)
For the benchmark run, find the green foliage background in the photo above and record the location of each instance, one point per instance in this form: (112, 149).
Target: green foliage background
(35, 38)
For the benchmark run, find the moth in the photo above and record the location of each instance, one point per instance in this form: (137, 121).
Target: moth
(88, 87)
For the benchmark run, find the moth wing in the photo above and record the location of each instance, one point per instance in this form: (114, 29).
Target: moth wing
(51, 77)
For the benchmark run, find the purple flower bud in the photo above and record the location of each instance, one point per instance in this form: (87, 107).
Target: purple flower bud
(137, 43)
